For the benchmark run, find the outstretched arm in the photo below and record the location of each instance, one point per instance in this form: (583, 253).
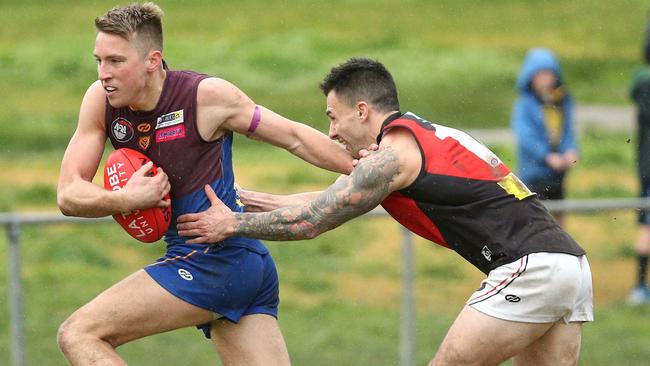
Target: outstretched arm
(224, 107)
(262, 202)
(255, 201)
(374, 178)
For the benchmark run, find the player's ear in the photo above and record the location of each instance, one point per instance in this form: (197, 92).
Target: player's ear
(154, 60)
(362, 110)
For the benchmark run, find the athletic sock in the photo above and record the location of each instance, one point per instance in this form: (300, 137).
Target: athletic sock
(643, 270)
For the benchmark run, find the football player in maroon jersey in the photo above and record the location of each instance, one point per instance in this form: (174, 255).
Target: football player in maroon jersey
(184, 122)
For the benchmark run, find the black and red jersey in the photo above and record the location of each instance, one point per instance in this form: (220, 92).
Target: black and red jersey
(465, 198)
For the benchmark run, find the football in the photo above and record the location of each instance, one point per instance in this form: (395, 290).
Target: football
(147, 225)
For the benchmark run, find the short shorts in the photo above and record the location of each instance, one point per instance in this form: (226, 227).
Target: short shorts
(538, 288)
(230, 281)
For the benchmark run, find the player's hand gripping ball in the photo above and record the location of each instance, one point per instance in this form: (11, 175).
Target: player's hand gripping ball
(146, 225)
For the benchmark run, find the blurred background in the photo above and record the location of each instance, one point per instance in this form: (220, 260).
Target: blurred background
(455, 63)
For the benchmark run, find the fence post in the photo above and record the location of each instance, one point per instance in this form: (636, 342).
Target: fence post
(407, 341)
(15, 294)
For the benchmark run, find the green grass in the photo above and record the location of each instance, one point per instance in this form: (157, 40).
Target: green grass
(347, 279)
(339, 306)
(455, 62)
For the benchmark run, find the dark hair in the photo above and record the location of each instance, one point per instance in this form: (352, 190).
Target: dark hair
(363, 79)
(140, 22)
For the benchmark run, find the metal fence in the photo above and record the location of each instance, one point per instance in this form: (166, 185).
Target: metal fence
(13, 223)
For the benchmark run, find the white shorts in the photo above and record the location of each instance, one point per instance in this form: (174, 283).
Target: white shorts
(538, 288)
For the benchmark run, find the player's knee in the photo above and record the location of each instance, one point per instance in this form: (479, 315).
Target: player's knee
(67, 335)
(76, 331)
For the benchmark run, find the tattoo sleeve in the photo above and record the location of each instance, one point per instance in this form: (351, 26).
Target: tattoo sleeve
(349, 197)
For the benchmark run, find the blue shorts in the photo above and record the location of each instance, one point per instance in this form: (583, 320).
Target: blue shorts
(231, 281)
(644, 215)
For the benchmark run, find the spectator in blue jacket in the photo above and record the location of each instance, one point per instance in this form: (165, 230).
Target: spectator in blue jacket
(542, 120)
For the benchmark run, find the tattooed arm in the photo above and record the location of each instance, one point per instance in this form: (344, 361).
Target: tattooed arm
(349, 197)
(255, 201)
(374, 178)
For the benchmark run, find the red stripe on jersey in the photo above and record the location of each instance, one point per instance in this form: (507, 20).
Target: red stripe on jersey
(405, 211)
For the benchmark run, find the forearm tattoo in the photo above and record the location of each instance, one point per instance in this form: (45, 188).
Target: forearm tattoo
(349, 197)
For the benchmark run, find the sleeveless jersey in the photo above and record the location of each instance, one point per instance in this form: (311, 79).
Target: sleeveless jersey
(465, 198)
(169, 136)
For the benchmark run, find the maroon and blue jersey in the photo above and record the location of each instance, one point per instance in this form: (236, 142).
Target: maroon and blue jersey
(169, 136)
(233, 278)
(466, 199)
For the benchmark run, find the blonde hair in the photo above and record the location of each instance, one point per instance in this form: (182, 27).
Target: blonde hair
(141, 23)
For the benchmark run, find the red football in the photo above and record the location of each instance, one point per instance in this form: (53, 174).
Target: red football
(145, 225)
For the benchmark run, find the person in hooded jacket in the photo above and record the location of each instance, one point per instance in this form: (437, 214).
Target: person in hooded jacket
(542, 120)
(640, 94)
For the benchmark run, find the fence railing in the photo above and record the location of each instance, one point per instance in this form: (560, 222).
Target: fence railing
(13, 223)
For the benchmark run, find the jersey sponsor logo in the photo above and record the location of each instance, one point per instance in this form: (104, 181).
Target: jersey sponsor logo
(185, 274)
(144, 142)
(512, 298)
(122, 130)
(170, 133)
(487, 253)
(170, 119)
(144, 127)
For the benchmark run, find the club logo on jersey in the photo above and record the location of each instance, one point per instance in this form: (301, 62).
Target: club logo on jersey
(170, 119)
(144, 142)
(144, 127)
(122, 130)
(170, 133)
(487, 253)
(185, 274)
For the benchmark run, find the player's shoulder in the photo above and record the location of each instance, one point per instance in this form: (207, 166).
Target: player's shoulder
(214, 87)
(94, 102)
(96, 91)
(401, 142)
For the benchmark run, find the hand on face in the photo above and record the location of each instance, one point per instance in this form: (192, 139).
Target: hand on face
(210, 226)
(145, 191)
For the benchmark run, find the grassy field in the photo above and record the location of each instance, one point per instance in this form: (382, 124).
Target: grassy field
(454, 61)
(341, 292)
